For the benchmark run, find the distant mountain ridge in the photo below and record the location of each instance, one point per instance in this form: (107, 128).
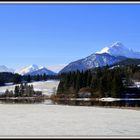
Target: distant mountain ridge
(34, 70)
(5, 69)
(116, 53)
(112, 55)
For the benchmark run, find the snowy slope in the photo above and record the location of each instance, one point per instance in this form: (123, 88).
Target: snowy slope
(48, 87)
(92, 61)
(118, 49)
(5, 69)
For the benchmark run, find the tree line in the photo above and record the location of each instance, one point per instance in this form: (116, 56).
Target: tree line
(6, 77)
(22, 90)
(100, 82)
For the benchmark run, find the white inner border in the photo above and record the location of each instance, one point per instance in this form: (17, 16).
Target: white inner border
(68, 2)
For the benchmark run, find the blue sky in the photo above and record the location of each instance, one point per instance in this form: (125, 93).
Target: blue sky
(55, 34)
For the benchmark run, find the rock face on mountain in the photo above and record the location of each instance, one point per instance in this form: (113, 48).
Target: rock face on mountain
(92, 61)
(107, 56)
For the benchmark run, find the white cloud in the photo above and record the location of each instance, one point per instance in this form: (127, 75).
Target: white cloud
(56, 68)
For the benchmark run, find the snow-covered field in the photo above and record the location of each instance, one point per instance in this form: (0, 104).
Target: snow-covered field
(57, 120)
(48, 120)
(47, 87)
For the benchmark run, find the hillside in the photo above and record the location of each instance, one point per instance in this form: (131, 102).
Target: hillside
(128, 61)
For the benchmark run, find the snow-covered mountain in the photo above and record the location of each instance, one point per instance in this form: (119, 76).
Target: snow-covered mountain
(34, 70)
(42, 70)
(107, 56)
(118, 49)
(92, 61)
(27, 69)
(5, 69)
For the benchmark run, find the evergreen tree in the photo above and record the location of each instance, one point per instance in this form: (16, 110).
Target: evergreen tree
(60, 89)
(7, 93)
(16, 91)
(117, 86)
(101, 87)
(21, 90)
(31, 90)
(38, 77)
(17, 79)
(44, 77)
(78, 81)
(1, 82)
(89, 78)
(28, 78)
